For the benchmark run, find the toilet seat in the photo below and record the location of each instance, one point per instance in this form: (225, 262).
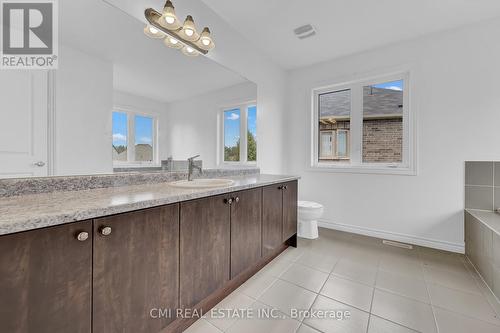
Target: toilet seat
(309, 205)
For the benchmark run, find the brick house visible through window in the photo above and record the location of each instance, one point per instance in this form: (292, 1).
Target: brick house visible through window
(364, 125)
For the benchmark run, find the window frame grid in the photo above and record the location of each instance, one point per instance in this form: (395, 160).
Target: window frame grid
(131, 113)
(243, 107)
(356, 165)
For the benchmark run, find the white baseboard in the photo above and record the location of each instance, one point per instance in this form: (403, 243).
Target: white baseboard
(414, 240)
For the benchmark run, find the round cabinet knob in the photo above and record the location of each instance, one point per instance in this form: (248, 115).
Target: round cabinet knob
(237, 199)
(285, 187)
(105, 231)
(82, 236)
(228, 201)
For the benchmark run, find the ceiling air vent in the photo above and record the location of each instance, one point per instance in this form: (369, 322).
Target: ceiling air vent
(304, 31)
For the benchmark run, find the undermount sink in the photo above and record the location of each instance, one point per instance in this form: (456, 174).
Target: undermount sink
(203, 183)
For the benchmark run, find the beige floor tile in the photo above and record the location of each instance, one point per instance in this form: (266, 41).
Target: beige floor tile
(356, 322)
(276, 267)
(453, 263)
(264, 319)
(286, 296)
(202, 326)
(223, 314)
(257, 284)
(404, 311)
(460, 281)
(355, 271)
(349, 292)
(402, 264)
(291, 254)
(317, 260)
(364, 255)
(307, 329)
(450, 322)
(468, 304)
(403, 285)
(379, 325)
(305, 277)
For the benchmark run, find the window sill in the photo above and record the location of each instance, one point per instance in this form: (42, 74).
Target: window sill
(136, 165)
(235, 165)
(363, 169)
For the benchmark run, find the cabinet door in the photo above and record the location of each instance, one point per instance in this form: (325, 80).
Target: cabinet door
(205, 246)
(45, 280)
(246, 245)
(135, 270)
(289, 210)
(272, 218)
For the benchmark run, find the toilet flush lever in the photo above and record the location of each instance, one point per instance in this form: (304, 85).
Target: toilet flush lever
(39, 164)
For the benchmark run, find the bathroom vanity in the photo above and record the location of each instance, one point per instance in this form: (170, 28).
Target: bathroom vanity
(125, 259)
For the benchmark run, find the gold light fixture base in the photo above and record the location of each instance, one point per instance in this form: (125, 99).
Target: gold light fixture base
(153, 17)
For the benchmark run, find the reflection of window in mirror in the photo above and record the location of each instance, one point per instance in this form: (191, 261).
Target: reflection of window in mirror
(239, 127)
(134, 138)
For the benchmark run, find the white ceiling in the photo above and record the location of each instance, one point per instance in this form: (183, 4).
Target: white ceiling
(343, 26)
(142, 66)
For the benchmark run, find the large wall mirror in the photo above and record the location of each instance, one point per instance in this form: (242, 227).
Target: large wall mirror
(121, 100)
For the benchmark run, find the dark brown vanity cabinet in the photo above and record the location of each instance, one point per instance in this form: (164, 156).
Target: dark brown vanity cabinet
(279, 215)
(121, 273)
(246, 230)
(45, 280)
(136, 270)
(290, 193)
(204, 248)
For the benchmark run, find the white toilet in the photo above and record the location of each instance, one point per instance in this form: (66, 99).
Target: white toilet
(309, 213)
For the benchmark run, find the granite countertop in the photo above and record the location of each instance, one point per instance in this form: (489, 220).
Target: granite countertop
(33, 211)
(490, 219)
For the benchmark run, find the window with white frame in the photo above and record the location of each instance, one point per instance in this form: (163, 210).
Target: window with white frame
(134, 138)
(364, 126)
(239, 134)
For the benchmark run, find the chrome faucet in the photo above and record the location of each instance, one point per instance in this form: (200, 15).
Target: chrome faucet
(192, 166)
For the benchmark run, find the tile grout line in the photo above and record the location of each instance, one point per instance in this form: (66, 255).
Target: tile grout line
(373, 297)
(421, 263)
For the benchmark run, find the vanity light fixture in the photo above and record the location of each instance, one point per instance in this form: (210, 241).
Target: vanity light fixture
(184, 36)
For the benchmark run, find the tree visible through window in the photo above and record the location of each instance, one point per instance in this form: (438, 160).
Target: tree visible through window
(137, 146)
(232, 135)
(252, 134)
(240, 133)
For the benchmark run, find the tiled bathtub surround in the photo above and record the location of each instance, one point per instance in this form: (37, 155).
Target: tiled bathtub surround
(482, 224)
(482, 245)
(482, 185)
(24, 186)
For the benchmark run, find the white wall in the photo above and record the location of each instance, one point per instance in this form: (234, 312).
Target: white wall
(151, 107)
(84, 99)
(456, 97)
(238, 54)
(192, 125)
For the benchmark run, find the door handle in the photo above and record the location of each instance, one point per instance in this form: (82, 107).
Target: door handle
(39, 164)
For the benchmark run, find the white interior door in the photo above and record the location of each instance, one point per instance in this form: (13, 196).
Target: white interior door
(23, 123)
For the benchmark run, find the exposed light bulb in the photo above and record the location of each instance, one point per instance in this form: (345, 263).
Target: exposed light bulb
(189, 30)
(153, 32)
(206, 41)
(189, 49)
(169, 19)
(173, 41)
